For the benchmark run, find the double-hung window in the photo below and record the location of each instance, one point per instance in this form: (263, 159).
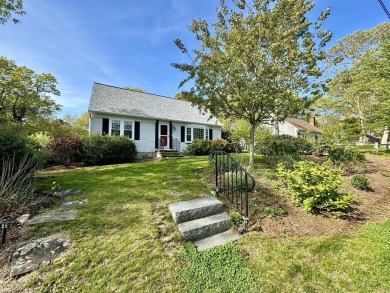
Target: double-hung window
(128, 129)
(189, 134)
(116, 127)
(122, 128)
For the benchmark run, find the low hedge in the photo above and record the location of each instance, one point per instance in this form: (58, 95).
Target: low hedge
(102, 150)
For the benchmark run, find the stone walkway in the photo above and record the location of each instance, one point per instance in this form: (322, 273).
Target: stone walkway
(31, 255)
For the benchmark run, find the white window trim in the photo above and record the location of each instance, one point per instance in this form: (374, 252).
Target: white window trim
(122, 127)
(205, 133)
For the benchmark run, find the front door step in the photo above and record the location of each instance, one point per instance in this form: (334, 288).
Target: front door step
(216, 240)
(205, 227)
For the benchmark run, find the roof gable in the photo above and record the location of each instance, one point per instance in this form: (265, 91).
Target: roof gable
(113, 100)
(303, 125)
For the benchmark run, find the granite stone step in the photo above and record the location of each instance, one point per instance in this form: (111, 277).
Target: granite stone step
(205, 227)
(216, 240)
(194, 209)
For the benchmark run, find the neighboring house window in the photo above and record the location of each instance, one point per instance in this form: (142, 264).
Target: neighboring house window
(302, 134)
(189, 135)
(198, 133)
(116, 127)
(207, 134)
(128, 129)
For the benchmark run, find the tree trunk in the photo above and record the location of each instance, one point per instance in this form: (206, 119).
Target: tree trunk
(251, 145)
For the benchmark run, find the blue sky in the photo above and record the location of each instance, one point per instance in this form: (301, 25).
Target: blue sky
(130, 43)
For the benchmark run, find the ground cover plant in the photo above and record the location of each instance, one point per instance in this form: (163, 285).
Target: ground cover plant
(124, 239)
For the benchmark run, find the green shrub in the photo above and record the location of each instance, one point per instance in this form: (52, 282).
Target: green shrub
(219, 144)
(199, 147)
(12, 145)
(101, 150)
(314, 187)
(346, 159)
(65, 150)
(360, 182)
(275, 147)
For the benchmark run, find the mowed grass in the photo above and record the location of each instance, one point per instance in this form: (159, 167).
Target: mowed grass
(124, 240)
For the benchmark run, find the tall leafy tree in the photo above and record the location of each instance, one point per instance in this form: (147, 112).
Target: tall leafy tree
(25, 96)
(258, 62)
(10, 8)
(358, 65)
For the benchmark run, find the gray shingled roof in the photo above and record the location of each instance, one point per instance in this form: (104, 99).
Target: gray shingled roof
(113, 100)
(303, 125)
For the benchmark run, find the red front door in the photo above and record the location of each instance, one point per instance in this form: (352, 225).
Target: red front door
(163, 135)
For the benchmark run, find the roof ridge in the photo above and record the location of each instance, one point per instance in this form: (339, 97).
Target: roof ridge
(121, 88)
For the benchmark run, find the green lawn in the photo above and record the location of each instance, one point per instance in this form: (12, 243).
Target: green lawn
(124, 240)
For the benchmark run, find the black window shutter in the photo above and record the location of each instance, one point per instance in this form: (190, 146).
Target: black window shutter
(183, 134)
(210, 134)
(105, 126)
(156, 144)
(136, 130)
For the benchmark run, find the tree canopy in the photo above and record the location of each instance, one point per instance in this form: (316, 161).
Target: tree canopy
(258, 62)
(10, 8)
(359, 68)
(135, 89)
(25, 96)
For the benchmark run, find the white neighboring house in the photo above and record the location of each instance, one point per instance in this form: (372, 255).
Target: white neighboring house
(153, 122)
(300, 128)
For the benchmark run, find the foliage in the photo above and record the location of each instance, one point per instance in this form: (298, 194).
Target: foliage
(359, 85)
(100, 150)
(9, 7)
(220, 269)
(314, 187)
(16, 187)
(79, 125)
(275, 147)
(345, 158)
(258, 62)
(25, 95)
(65, 150)
(321, 145)
(360, 182)
(12, 144)
(236, 218)
(184, 96)
(199, 147)
(220, 144)
(134, 89)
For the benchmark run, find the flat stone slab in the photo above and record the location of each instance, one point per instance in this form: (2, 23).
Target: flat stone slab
(71, 204)
(194, 209)
(216, 240)
(54, 216)
(23, 219)
(30, 255)
(61, 193)
(205, 227)
(177, 194)
(67, 192)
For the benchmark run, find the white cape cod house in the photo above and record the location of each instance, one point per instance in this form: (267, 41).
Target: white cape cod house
(153, 122)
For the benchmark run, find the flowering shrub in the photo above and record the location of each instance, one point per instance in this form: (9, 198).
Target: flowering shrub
(314, 187)
(65, 150)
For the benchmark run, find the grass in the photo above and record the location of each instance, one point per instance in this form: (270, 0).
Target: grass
(124, 240)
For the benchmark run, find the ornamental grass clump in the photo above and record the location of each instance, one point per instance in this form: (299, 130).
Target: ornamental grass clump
(315, 187)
